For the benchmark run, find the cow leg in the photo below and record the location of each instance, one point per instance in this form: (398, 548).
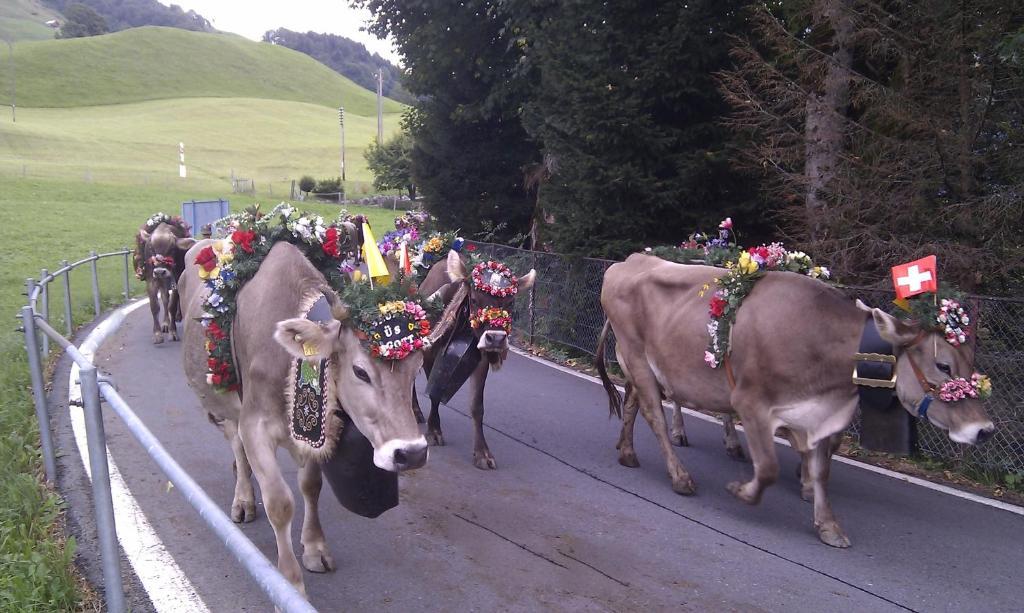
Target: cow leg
(434, 435)
(277, 496)
(762, 451)
(482, 457)
(733, 449)
(316, 557)
(678, 431)
(243, 506)
(818, 462)
(173, 313)
(416, 412)
(154, 309)
(627, 454)
(649, 396)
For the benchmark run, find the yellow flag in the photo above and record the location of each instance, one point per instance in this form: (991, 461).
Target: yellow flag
(903, 303)
(374, 260)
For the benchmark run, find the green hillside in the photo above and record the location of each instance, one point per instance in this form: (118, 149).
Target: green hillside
(154, 63)
(22, 20)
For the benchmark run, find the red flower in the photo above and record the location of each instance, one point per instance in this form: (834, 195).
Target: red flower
(243, 238)
(330, 245)
(214, 331)
(216, 379)
(761, 252)
(211, 363)
(207, 259)
(717, 306)
(470, 247)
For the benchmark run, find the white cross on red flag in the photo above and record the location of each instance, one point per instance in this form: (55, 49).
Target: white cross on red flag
(916, 277)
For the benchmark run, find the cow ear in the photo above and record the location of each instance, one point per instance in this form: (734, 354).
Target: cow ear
(185, 243)
(894, 330)
(526, 281)
(144, 236)
(456, 269)
(307, 339)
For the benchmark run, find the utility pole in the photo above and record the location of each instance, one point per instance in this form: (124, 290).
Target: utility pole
(380, 106)
(14, 84)
(341, 122)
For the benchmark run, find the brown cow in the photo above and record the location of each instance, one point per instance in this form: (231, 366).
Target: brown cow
(793, 346)
(163, 260)
(267, 335)
(447, 278)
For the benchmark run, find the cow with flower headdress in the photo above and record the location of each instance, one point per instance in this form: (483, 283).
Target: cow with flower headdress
(284, 349)
(478, 342)
(159, 258)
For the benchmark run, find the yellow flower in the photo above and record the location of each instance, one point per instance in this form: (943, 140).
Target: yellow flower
(746, 264)
(704, 290)
(209, 274)
(224, 252)
(395, 306)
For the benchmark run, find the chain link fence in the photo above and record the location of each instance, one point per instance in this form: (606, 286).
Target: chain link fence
(563, 311)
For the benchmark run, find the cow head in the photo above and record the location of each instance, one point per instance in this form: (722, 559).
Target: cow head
(161, 250)
(492, 293)
(376, 394)
(929, 371)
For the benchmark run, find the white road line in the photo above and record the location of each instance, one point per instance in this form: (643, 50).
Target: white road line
(998, 504)
(169, 589)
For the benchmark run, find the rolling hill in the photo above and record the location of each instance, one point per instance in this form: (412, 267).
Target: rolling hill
(153, 63)
(22, 20)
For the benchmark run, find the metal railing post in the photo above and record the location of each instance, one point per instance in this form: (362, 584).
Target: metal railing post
(68, 322)
(127, 277)
(35, 367)
(95, 283)
(102, 500)
(30, 286)
(44, 286)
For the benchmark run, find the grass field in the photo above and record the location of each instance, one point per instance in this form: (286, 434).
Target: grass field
(154, 63)
(22, 20)
(42, 222)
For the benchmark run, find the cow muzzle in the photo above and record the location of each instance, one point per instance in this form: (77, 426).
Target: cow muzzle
(973, 433)
(493, 340)
(398, 455)
(161, 273)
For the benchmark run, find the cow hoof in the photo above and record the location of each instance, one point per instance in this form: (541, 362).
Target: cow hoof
(736, 453)
(243, 512)
(158, 338)
(807, 493)
(831, 534)
(318, 560)
(684, 487)
(164, 329)
(435, 439)
(628, 458)
(484, 461)
(736, 489)
(679, 440)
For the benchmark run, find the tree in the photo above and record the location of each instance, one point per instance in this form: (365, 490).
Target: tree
(81, 21)
(123, 14)
(391, 164)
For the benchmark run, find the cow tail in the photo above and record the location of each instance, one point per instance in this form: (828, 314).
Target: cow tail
(614, 399)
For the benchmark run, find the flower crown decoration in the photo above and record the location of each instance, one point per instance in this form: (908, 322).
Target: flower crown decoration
(176, 220)
(392, 321)
(491, 317)
(950, 318)
(494, 278)
(979, 386)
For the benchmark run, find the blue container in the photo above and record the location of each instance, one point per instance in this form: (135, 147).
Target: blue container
(199, 213)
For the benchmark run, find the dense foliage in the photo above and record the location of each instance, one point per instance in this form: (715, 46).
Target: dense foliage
(80, 21)
(124, 14)
(346, 57)
(391, 164)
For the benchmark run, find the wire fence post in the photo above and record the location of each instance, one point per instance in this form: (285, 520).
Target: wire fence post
(44, 286)
(95, 283)
(533, 298)
(69, 324)
(127, 277)
(30, 287)
(35, 367)
(102, 500)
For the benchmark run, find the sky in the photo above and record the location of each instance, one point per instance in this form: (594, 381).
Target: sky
(252, 19)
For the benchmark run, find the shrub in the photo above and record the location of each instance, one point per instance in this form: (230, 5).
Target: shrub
(307, 183)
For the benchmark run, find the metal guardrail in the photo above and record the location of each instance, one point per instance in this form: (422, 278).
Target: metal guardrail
(95, 388)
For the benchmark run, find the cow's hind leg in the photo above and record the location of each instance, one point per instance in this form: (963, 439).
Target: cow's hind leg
(649, 397)
(818, 462)
(243, 506)
(762, 451)
(627, 454)
(677, 434)
(733, 449)
(316, 556)
(277, 497)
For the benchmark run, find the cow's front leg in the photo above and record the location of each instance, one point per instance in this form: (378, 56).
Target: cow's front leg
(173, 316)
(277, 497)
(762, 451)
(316, 556)
(733, 449)
(154, 309)
(482, 457)
(627, 454)
(677, 435)
(818, 462)
(243, 505)
(434, 436)
(416, 412)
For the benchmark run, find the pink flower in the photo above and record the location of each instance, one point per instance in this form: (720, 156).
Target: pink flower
(710, 359)
(726, 224)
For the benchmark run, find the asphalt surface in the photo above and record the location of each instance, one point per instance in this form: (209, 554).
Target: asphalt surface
(560, 525)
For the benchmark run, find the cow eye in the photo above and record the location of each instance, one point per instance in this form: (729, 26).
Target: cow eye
(360, 373)
(944, 368)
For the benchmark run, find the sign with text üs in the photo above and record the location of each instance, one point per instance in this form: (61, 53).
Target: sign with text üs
(916, 277)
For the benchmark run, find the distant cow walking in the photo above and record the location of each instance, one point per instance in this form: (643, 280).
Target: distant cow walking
(793, 351)
(161, 255)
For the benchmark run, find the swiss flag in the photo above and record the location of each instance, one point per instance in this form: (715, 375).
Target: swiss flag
(916, 277)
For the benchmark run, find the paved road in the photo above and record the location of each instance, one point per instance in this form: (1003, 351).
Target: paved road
(562, 526)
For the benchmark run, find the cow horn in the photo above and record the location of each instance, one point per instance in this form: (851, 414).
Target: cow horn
(451, 313)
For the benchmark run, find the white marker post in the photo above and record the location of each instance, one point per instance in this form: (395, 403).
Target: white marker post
(181, 160)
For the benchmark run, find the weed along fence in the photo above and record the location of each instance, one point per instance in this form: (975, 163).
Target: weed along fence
(563, 313)
(95, 388)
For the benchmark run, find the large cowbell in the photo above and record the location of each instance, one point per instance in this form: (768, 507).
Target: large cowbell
(359, 485)
(456, 363)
